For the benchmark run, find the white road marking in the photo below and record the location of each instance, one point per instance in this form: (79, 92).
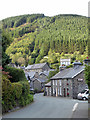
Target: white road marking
(74, 107)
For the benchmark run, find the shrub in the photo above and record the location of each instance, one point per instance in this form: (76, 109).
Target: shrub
(69, 66)
(32, 92)
(14, 94)
(7, 97)
(17, 74)
(36, 90)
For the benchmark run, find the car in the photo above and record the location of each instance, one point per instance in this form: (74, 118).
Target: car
(83, 95)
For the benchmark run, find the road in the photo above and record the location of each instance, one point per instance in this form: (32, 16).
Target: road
(52, 107)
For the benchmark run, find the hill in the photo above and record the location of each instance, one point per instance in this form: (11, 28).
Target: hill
(37, 38)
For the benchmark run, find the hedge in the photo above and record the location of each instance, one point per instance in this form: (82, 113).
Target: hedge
(14, 94)
(17, 74)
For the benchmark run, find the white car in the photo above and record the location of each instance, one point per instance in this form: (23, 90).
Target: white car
(83, 95)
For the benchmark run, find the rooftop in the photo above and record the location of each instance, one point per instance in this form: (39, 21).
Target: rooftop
(66, 60)
(68, 73)
(48, 84)
(35, 66)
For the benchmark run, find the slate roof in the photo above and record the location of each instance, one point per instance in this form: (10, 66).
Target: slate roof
(40, 79)
(46, 72)
(68, 73)
(77, 63)
(35, 66)
(31, 74)
(48, 84)
(65, 60)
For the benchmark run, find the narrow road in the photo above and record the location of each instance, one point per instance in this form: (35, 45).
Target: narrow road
(50, 107)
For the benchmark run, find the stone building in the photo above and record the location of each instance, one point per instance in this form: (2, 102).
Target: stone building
(37, 80)
(69, 82)
(41, 67)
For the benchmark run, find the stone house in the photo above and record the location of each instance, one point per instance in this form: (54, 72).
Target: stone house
(37, 80)
(37, 75)
(69, 82)
(41, 67)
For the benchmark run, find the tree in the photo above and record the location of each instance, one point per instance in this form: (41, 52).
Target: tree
(21, 60)
(5, 43)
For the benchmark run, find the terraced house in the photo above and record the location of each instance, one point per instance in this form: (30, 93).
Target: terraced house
(68, 82)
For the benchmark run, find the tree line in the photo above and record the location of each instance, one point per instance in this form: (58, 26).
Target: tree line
(33, 36)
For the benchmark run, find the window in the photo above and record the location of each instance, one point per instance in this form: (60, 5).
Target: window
(53, 82)
(83, 91)
(87, 92)
(56, 82)
(60, 91)
(60, 82)
(53, 90)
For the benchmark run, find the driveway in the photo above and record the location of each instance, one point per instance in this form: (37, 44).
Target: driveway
(51, 107)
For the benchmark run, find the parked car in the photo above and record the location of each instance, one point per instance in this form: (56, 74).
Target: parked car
(83, 95)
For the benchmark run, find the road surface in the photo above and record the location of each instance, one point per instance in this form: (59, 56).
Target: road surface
(52, 107)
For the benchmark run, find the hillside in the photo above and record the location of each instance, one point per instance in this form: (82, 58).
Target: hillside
(38, 38)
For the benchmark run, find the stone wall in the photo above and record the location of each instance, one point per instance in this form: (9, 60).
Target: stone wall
(44, 77)
(37, 84)
(78, 85)
(62, 87)
(45, 68)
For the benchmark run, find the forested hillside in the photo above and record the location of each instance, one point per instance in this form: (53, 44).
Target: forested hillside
(37, 38)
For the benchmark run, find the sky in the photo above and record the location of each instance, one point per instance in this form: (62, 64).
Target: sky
(9, 8)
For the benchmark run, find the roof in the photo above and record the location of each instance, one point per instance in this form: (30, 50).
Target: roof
(22, 67)
(40, 80)
(36, 66)
(77, 63)
(68, 73)
(48, 84)
(31, 74)
(46, 73)
(66, 60)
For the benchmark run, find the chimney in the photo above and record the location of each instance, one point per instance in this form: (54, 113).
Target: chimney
(62, 68)
(36, 74)
(77, 64)
(86, 61)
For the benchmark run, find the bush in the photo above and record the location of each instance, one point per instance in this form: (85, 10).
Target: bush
(36, 90)
(32, 92)
(14, 94)
(7, 94)
(69, 66)
(17, 74)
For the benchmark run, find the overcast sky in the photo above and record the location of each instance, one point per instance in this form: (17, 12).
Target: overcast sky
(10, 8)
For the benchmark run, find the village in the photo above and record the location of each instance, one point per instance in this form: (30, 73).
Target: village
(68, 82)
(45, 62)
(62, 89)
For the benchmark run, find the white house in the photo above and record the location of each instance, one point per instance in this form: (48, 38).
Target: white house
(65, 62)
